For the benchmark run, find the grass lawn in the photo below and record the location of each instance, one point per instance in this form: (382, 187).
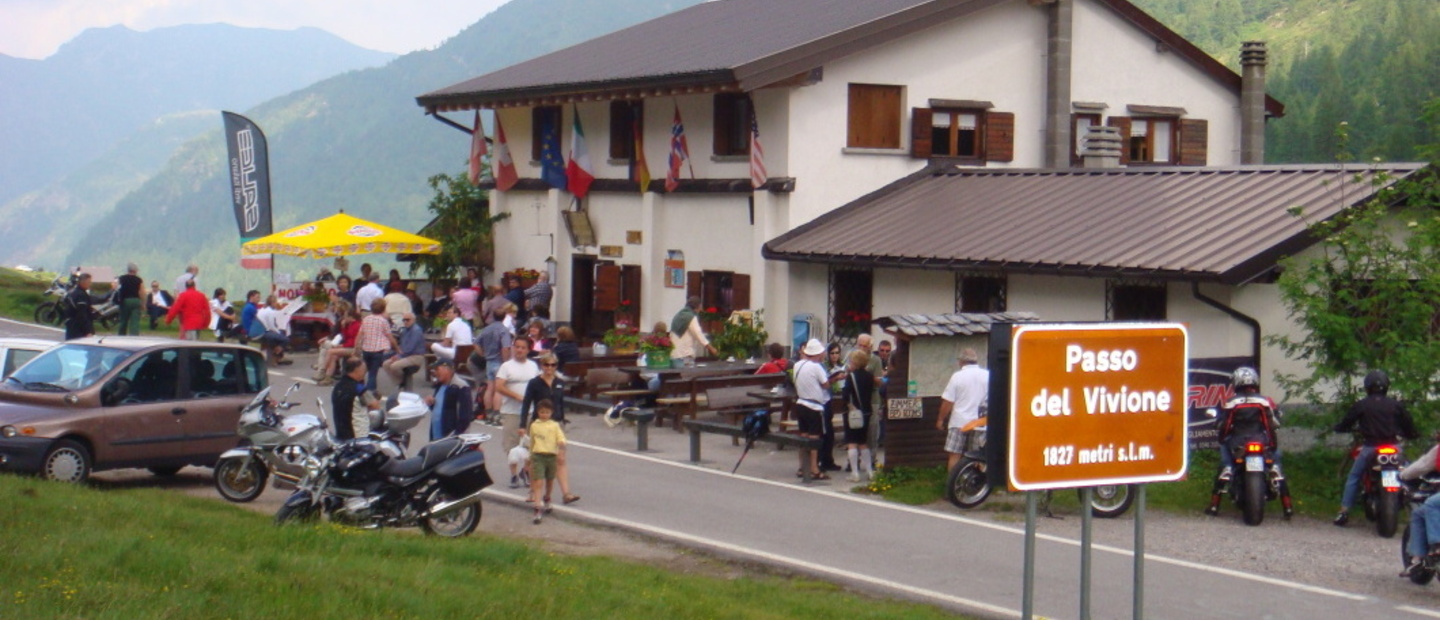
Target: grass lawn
(77, 552)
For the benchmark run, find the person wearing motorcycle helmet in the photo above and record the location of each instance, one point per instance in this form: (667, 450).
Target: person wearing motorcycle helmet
(1425, 518)
(1246, 414)
(1380, 420)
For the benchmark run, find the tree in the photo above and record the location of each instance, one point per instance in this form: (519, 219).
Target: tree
(463, 225)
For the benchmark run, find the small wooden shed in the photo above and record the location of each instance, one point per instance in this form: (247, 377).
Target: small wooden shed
(925, 355)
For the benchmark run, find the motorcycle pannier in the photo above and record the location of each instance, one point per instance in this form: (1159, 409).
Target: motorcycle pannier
(464, 475)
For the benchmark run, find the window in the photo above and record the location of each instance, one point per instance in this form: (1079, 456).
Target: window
(214, 373)
(979, 293)
(973, 133)
(541, 118)
(874, 117)
(17, 358)
(1135, 301)
(725, 291)
(1151, 140)
(732, 124)
(851, 302)
(256, 376)
(150, 379)
(625, 117)
(1162, 140)
(1080, 124)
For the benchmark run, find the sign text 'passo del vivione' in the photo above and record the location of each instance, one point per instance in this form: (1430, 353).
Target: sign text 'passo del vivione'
(1097, 404)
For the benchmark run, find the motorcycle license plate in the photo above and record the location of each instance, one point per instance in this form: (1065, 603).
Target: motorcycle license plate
(1390, 479)
(1254, 463)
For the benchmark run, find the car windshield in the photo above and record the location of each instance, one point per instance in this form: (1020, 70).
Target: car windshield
(67, 368)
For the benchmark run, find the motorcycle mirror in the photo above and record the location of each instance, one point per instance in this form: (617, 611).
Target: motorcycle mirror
(1212, 412)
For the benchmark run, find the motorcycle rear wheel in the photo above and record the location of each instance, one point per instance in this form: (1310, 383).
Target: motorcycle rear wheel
(1252, 498)
(1387, 514)
(967, 486)
(454, 525)
(47, 313)
(1111, 500)
(238, 482)
(1421, 576)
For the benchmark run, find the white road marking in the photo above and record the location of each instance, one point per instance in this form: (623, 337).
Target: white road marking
(35, 325)
(811, 567)
(1417, 610)
(985, 524)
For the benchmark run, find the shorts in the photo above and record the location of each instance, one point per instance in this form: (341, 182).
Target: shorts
(809, 420)
(960, 442)
(543, 466)
(510, 427)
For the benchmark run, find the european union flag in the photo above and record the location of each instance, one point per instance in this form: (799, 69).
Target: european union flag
(552, 163)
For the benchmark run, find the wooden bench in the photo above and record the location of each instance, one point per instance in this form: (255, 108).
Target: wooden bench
(612, 383)
(687, 398)
(732, 403)
(805, 444)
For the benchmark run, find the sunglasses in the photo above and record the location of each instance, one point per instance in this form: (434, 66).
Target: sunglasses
(549, 365)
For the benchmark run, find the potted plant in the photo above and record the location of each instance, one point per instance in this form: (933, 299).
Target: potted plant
(656, 348)
(318, 297)
(621, 341)
(852, 323)
(527, 277)
(742, 337)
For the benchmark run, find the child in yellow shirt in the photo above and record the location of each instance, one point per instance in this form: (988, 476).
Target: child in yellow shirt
(547, 440)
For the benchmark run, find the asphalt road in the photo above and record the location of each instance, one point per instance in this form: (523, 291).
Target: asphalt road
(974, 565)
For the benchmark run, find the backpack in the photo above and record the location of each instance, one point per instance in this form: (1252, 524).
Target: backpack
(756, 425)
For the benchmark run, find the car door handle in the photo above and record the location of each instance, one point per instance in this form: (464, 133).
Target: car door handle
(177, 411)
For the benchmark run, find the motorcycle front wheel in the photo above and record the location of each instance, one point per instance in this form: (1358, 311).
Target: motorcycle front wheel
(296, 512)
(1420, 576)
(1252, 498)
(47, 314)
(239, 481)
(453, 525)
(1387, 514)
(1111, 500)
(967, 485)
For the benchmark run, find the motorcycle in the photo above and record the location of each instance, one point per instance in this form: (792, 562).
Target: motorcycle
(357, 483)
(277, 446)
(968, 485)
(1254, 478)
(1416, 492)
(1380, 491)
(107, 312)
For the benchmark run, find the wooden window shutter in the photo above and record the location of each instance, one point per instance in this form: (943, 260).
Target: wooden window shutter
(1194, 141)
(630, 287)
(873, 117)
(607, 288)
(921, 125)
(740, 291)
(621, 143)
(1123, 124)
(999, 136)
(693, 284)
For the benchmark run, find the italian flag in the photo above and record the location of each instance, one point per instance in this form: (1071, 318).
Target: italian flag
(578, 172)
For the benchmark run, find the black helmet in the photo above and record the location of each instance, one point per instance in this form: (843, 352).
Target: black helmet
(1245, 376)
(1377, 382)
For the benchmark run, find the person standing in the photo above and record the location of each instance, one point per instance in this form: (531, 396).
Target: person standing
(157, 303)
(537, 297)
(549, 387)
(960, 404)
(812, 391)
(129, 296)
(547, 447)
(193, 310)
(450, 409)
(348, 392)
(222, 315)
(396, 303)
(78, 309)
(366, 296)
(1379, 419)
(495, 301)
(510, 381)
(464, 299)
(834, 363)
(343, 290)
(410, 354)
(191, 274)
(376, 340)
(686, 333)
(493, 345)
(859, 393)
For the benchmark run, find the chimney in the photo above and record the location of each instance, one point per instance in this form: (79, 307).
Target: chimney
(1101, 147)
(1252, 103)
(1059, 17)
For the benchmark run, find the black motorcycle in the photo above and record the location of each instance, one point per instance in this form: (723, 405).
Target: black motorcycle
(1416, 492)
(1380, 491)
(357, 483)
(1254, 478)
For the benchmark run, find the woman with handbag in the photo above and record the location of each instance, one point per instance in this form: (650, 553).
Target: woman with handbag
(859, 390)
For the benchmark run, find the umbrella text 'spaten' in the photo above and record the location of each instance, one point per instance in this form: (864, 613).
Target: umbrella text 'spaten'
(341, 235)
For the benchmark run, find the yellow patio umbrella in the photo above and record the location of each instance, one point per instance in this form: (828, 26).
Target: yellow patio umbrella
(340, 235)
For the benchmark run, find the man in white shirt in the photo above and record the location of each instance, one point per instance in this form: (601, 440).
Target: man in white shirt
(961, 404)
(277, 330)
(812, 392)
(369, 293)
(457, 334)
(510, 381)
(191, 272)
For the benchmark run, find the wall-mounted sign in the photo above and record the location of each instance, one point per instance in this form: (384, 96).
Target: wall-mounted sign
(634, 237)
(577, 223)
(612, 251)
(674, 269)
(903, 409)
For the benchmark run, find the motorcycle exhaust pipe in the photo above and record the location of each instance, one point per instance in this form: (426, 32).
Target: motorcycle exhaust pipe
(445, 508)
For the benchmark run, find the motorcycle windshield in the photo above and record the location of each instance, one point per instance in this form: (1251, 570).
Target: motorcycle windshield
(259, 399)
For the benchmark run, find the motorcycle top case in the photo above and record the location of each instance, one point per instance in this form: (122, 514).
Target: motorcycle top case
(464, 475)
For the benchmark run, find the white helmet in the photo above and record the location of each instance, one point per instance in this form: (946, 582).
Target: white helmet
(1245, 376)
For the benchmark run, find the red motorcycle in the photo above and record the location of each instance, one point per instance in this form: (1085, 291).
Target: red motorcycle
(1380, 491)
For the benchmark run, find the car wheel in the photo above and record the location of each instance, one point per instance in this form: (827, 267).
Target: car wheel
(67, 461)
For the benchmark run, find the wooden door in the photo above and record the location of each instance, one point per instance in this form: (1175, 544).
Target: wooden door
(582, 286)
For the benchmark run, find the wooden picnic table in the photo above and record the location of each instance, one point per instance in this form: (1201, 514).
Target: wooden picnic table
(702, 369)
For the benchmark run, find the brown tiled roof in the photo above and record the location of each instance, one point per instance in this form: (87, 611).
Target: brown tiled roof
(1211, 224)
(953, 324)
(744, 45)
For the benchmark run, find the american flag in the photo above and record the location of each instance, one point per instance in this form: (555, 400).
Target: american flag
(679, 153)
(758, 176)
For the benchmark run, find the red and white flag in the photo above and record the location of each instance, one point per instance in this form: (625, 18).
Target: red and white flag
(505, 175)
(478, 149)
(679, 153)
(578, 172)
(758, 176)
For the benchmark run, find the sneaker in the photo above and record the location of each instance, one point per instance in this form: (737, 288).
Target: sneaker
(514, 482)
(525, 478)
(853, 477)
(1416, 564)
(548, 508)
(1212, 510)
(538, 514)
(1342, 518)
(1226, 473)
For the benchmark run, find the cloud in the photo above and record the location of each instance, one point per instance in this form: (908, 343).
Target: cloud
(36, 28)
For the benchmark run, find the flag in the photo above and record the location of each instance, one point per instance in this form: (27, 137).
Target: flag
(758, 176)
(249, 183)
(505, 175)
(578, 173)
(478, 149)
(552, 164)
(679, 153)
(639, 171)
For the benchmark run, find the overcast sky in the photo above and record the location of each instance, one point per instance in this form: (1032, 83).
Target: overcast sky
(36, 28)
